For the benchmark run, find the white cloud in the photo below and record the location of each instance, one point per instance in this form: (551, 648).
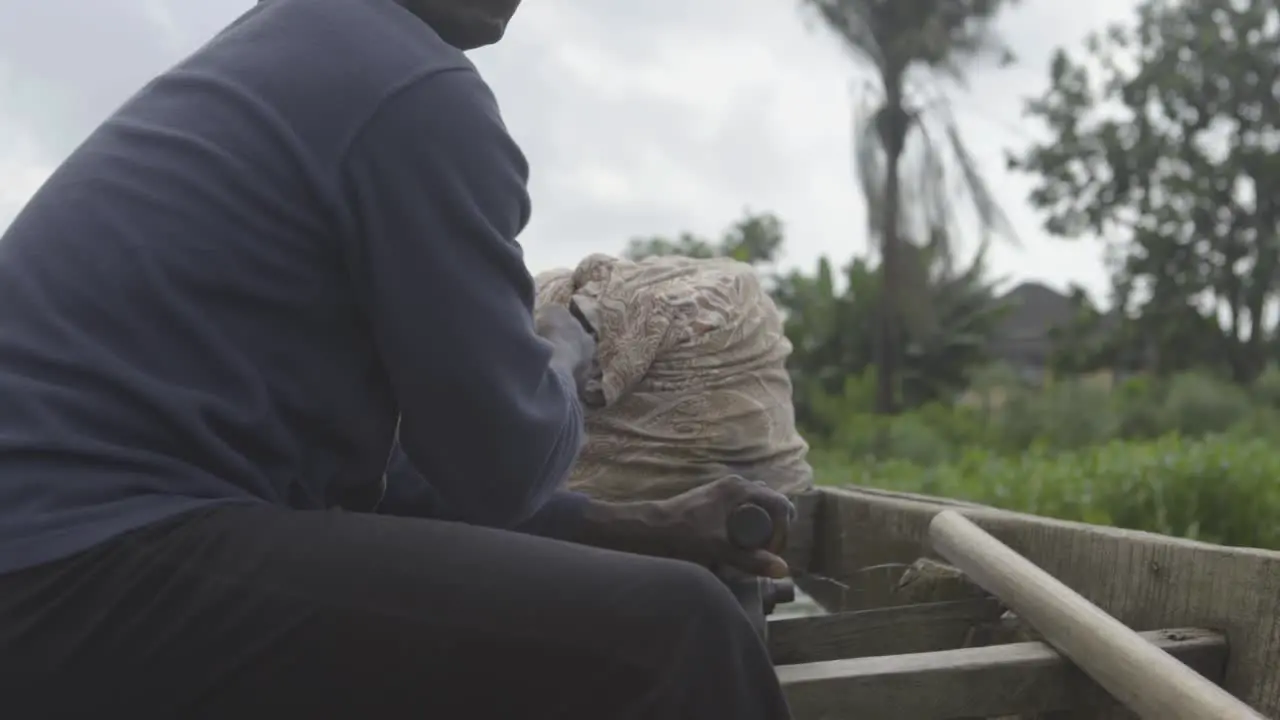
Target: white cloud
(22, 169)
(638, 117)
(19, 179)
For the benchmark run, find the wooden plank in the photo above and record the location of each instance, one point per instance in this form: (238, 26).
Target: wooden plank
(1018, 679)
(1148, 681)
(800, 539)
(889, 631)
(876, 585)
(1145, 581)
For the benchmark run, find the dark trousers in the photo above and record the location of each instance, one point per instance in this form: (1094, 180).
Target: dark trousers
(247, 612)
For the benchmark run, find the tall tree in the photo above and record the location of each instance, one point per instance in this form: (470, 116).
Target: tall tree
(831, 314)
(830, 329)
(909, 45)
(1162, 141)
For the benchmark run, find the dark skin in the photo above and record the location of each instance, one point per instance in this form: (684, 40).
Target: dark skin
(465, 24)
(691, 526)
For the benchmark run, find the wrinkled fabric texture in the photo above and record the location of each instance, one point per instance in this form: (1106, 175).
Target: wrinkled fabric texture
(691, 380)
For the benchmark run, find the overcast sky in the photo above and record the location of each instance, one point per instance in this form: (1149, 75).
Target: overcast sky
(639, 117)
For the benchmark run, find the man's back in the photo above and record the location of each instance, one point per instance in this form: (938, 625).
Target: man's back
(181, 317)
(223, 302)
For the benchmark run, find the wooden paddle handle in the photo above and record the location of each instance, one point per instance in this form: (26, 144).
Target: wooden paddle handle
(1146, 679)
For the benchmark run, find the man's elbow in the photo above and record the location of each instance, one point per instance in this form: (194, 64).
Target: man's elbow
(535, 445)
(523, 480)
(563, 456)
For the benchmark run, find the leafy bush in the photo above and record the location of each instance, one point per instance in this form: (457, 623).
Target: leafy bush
(1266, 389)
(1189, 455)
(1218, 489)
(1137, 403)
(1066, 416)
(1010, 417)
(1198, 405)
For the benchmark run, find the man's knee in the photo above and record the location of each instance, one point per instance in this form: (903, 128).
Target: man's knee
(702, 650)
(689, 593)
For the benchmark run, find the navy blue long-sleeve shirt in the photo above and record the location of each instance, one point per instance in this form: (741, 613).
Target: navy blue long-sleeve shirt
(409, 494)
(248, 273)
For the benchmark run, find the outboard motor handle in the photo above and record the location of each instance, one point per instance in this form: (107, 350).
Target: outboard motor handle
(750, 527)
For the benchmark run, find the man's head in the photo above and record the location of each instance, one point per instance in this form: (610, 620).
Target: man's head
(465, 24)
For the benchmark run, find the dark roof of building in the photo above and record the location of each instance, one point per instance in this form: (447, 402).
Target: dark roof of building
(1023, 336)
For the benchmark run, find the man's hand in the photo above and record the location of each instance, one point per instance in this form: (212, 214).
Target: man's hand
(574, 347)
(693, 526)
(696, 526)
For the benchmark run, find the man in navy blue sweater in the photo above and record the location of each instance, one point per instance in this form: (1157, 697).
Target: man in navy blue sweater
(215, 317)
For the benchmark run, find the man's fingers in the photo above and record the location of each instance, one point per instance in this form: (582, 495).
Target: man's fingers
(739, 489)
(761, 563)
(774, 502)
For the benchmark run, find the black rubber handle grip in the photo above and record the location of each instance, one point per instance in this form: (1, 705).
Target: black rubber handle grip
(750, 527)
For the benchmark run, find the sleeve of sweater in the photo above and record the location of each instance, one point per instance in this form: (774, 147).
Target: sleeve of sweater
(437, 192)
(409, 494)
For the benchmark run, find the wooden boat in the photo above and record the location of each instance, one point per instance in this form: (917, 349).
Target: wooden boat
(903, 638)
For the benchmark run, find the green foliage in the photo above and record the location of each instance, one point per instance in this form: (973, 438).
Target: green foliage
(833, 334)
(937, 34)
(1003, 414)
(1161, 139)
(683, 245)
(1066, 416)
(755, 239)
(831, 318)
(1184, 453)
(1198, 405)
(1218, 489)
(1189, 455)
(1266, 389)
(911, 162)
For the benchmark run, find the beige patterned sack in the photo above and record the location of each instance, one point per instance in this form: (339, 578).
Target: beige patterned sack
(691, 380)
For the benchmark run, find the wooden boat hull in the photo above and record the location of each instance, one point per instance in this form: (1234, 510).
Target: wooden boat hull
(1214, 607)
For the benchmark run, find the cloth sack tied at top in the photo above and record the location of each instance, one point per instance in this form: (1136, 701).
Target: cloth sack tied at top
(691, 379)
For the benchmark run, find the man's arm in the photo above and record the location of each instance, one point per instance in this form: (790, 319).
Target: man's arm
(691, 526)
(408, 494)
(437, 192)
(642, 527)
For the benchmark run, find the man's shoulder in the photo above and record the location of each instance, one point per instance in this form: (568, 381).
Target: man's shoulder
(355, 52)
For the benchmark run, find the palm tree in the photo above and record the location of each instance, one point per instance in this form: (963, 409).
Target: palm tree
(909, 45)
